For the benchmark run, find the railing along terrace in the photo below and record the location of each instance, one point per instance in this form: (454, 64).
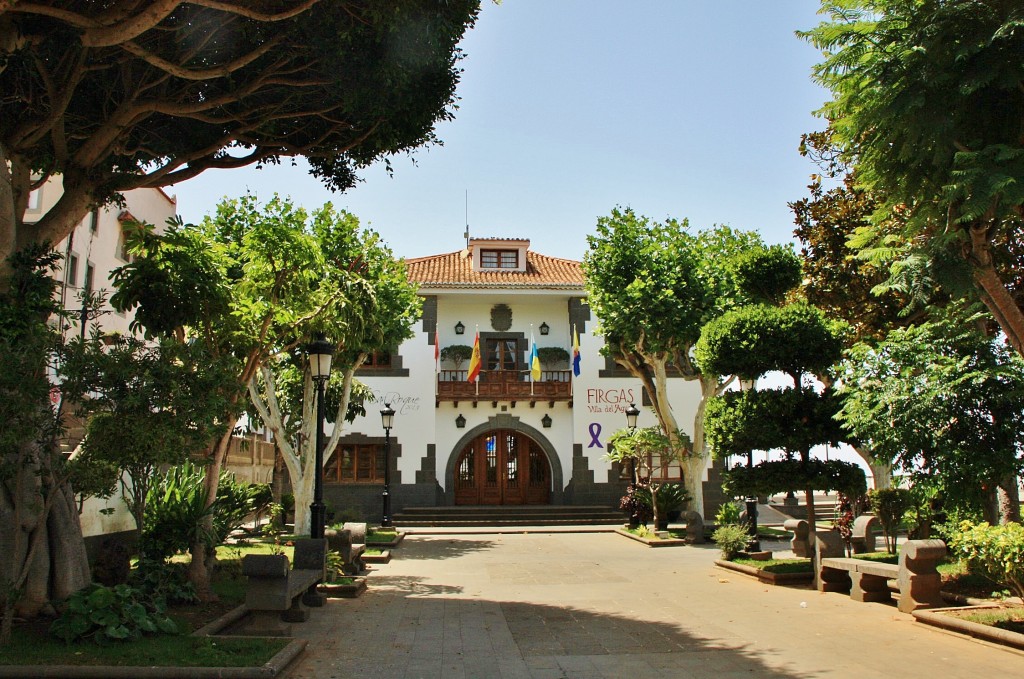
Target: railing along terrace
(504, 385)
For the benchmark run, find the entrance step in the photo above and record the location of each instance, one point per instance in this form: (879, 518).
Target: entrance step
(508, 515)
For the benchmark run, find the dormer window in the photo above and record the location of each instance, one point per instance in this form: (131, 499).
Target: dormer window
(499, 259)
(491, 255)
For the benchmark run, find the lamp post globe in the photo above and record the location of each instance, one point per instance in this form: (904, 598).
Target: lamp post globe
(632, 413)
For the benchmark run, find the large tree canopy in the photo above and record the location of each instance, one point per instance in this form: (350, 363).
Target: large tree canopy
(928, 97)
(653, 285)
(125, 94)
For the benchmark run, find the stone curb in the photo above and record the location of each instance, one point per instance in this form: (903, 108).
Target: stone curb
(352, 591)
(271, 668)
(937, 618)
(669, 542)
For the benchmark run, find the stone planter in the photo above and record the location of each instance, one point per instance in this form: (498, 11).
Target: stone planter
(765, 576)
(391, 543)
(383, 557)
(670, 542)
(339, 591)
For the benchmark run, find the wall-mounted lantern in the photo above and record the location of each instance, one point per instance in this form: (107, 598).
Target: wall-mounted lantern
(546, 421)
(460, 329)
(545, 328)
(460, 422)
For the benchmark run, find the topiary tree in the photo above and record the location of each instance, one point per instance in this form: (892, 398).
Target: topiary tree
(550, 356)
(760, 338)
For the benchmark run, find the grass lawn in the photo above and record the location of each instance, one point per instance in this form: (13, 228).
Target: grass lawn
(374, 551)
(381, 534)
(778, 565)
(32, 645)
(1010, 619)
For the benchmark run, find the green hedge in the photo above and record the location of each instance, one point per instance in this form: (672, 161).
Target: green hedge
(771, 477)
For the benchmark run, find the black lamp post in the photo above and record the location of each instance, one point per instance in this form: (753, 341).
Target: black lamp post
(387, 418)
(753, 544)
(632, 414)
(319, 354)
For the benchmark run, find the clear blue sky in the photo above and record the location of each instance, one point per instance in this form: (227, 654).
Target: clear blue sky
(677, 108)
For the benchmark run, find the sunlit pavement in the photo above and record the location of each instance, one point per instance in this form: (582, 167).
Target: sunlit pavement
(601, 605)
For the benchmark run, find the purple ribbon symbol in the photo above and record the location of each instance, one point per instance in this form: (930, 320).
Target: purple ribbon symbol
(595, 431)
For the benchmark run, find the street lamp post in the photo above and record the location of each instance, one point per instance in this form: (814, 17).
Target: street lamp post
(319, 353)
(753, 544)
(387, 418)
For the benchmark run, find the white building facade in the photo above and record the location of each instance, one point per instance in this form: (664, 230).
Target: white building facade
(505, 438)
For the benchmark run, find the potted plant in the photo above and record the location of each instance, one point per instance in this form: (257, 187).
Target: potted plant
(456, 354)
(553, 358)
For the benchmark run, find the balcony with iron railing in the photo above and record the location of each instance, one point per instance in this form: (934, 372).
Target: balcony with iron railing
(504, 385)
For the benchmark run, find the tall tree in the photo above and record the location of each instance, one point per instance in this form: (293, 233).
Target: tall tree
(768, 336)
(136, 94)
(380, 308)
(42, 553)
(928, 97)
(252, 281)
(942, 400)
(653, 285)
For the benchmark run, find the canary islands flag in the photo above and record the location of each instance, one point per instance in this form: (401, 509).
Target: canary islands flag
(534, 361)
(575, 352)
(474, 361)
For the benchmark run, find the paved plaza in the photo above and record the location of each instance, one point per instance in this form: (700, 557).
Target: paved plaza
(600, 605)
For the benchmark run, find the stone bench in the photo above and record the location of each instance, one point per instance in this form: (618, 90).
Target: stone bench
(350, 543)
(865, 530)
(276, 594)
(917, 579)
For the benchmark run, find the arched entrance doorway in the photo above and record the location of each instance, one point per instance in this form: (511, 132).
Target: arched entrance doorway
(502, 467)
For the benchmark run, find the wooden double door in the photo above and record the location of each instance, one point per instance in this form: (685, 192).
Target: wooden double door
(502, 467)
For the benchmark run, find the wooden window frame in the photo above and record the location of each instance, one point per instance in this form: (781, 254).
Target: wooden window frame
(500, 259)
(365, 456)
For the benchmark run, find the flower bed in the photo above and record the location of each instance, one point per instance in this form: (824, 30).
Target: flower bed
(1000, 624)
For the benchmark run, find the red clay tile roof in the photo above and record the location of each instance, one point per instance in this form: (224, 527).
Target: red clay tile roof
(455, 270)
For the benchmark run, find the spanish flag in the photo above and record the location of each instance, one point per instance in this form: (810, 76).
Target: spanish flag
(474, 360)
(575, 352)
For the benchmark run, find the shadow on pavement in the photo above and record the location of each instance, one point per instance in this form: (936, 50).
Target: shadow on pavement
(432, 547)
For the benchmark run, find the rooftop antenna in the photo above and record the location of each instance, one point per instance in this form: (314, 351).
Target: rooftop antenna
(466, 233)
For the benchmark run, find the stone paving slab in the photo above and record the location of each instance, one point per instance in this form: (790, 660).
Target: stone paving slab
(598, 605)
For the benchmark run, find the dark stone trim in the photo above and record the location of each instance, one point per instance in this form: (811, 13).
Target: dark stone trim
(427, 473)
(613, 369)
(579, 314)
(505, 421)
(430, 317)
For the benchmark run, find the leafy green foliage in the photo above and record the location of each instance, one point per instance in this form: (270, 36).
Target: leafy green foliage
(728, 514)
(756, 339)
(731, 539)
(926, 106)
(672, 497)
(776, 476)
(163, 582)
(766, 274)
(109, 614)
(997, 552)
(150, 404)
(738, 422)
(939, 400)
(889, 505)
(342, 86)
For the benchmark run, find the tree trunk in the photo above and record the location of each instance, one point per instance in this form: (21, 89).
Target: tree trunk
(1009, 500)
(200, 567)
(8, 220)
(992, 290)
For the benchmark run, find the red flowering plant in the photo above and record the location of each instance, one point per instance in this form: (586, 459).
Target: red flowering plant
(843, 521)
